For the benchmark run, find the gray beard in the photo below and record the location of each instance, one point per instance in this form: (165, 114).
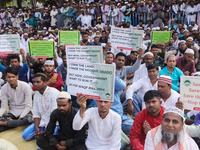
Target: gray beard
(169, 137)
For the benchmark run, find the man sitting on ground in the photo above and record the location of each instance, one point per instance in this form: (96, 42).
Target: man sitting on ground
(104, 124)
(67, 138)
(171, 134)
(20, 95)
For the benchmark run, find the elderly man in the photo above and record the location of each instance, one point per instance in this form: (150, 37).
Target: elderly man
(185, 62)
(190, 44)
(171, 134)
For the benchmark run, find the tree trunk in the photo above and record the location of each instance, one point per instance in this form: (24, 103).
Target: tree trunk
(34, 3)
(19, 3)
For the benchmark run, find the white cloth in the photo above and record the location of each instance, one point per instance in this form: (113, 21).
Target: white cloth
(86, 20)
(43, 105)
(143, 85)
(20, 99)
(149, 144)
(53, 20)
(140, 73)
(103, 134)
(190, 9)
(172, 100)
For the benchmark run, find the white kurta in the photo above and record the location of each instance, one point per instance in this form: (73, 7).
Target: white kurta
(53, 20)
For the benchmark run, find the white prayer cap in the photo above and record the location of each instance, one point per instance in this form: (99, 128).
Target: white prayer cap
(181, 41)
(6, 28)
(148, 53)
(126, 3)
(25, 33)
(51, 36)
(95, 28)
(185, 30)
(166, 27)
(45, 39)
(46, 8)
(49, 62)
(156, 1)
(148, 28)
(2, 30)
(153, 28)
(118, 4)
(63, 95)
(189, 51)
(10, 30)
(189, 38)
(142, 2)
(51, 40)
(173, 109)
(45, 28)
(157, 28)
(54, 6)
(90, 30)
(196, 73)
(194, 28)
(31, 38)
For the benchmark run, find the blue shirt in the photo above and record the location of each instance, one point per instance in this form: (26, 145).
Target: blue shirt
(117, 105)
(176, 76)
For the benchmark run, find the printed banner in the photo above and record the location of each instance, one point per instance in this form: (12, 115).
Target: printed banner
(9, 44)
(190, 92)
(94, 80)
(126, 39)
(160, 37)
(85, 54)
(41, 49)
(69, 38)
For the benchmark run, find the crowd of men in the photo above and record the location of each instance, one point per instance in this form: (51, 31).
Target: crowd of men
(146, 109)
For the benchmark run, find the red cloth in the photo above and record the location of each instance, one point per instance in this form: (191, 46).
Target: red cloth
(5, 57)
(142, 124)
(58, 83)
(189, 67)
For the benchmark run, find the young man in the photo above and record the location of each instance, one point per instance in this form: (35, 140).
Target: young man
(44, 104)
(109, 58)
(20, 95)
(146, 119)
(67, 137)
(62, 69)
(104, 124)
(171, 134)
(142, 86)
(172, 71)
(22, 70)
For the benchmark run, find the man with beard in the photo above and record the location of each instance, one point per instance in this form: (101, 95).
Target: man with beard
(84, 40)
(172, 71)
(146, 119)
(53, 78)
(67, 138)
(44, 103)
(37, 66)
(142, 71)
(185, 62)
(171, 134)
(190, 44)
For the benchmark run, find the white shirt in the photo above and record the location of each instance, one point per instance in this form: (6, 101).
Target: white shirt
(86, 20)
(172, 100)
(20, 99)
(143, 85)
(103, 134)
(149, 144)
(43, 105)
(140, 73)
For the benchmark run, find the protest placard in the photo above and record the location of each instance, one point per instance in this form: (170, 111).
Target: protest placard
(160, 37)
(69, 37)
(85, 54)
(9, 44)
(94, 80)
(41, 49)
(126, 39)
(190, 92)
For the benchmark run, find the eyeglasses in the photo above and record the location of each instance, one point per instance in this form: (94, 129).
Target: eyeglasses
(182, 44)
